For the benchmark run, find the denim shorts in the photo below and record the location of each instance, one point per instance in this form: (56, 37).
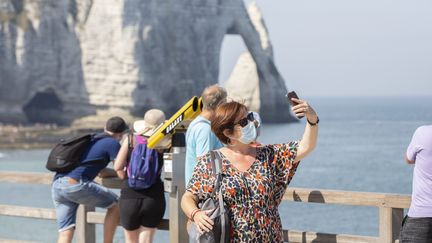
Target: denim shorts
(67, 197)
(416, 230)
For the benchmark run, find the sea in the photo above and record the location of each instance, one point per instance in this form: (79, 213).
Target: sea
(361, 147)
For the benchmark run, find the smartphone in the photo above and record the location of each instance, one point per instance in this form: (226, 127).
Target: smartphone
(291, 95)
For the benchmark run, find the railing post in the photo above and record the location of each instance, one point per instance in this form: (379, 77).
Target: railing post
(85, 232)
(390, 220)
(174, 184)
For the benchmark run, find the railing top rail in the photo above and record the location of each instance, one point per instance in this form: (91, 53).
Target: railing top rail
(42, 178)
(354, 198)
(291, 194)
(26, 177)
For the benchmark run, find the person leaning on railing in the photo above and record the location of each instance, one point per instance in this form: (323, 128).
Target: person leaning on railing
(75, 187)
(417, 224)
(254, 177)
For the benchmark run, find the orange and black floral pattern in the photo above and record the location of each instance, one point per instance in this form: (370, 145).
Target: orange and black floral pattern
(252, 196)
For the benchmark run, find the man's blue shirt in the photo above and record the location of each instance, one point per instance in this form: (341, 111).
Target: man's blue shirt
(101, 150)
(199, 140)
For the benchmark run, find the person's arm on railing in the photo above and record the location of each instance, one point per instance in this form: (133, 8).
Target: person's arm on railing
(107, 172)
(408, 160)
(121, 160)
(413, 148)
(310, 135)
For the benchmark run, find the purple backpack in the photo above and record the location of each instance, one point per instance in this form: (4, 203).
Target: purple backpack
(143, 166)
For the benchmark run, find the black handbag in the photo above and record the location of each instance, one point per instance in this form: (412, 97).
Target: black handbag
(219, 214)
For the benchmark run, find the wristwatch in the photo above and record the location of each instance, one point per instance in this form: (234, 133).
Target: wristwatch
(313, 124)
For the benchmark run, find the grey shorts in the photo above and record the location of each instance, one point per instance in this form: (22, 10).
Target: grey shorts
(416, 230)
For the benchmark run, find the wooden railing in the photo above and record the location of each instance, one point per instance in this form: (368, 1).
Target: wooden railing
(390, 211)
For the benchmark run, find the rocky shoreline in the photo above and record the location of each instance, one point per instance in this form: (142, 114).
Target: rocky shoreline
(40, 136)
(37, 136)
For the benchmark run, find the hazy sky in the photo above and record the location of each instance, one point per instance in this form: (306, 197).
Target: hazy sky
(347, 47)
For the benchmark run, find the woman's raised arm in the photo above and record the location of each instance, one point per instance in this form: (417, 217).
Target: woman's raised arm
(310, 135)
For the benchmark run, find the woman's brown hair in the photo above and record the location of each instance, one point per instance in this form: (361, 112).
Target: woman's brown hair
(225, 117)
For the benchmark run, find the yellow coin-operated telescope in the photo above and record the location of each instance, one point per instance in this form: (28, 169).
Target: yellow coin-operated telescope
(180, 120)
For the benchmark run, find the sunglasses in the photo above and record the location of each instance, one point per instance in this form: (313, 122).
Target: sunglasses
(244, 121)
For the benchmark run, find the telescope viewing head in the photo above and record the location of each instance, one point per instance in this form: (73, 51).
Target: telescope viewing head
(176, 123)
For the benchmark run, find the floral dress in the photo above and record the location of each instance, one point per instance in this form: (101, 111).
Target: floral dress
(252, 196)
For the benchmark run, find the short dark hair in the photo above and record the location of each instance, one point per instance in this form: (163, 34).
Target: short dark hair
(116, 124)
(225, 117)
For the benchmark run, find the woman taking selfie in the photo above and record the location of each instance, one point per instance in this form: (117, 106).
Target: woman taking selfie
(254, 178)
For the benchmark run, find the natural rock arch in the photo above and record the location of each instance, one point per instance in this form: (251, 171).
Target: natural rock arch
(179, 46)
(131, 55)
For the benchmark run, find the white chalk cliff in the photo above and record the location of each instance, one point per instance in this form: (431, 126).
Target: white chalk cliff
(64, 59)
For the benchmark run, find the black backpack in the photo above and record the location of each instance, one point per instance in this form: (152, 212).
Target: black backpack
(67, 154)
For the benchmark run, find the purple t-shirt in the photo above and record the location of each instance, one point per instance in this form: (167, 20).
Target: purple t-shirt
(420, 151)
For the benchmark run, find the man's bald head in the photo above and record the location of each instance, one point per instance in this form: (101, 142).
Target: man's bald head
(212, 96)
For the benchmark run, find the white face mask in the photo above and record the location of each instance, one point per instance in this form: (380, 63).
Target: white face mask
(248, 133)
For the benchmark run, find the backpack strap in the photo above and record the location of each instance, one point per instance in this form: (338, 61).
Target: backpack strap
(94, 138)
(217, 170)
(130, 146)
(130, 138)
(98, 136)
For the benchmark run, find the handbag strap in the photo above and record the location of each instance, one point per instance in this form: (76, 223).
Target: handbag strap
(216, 163)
